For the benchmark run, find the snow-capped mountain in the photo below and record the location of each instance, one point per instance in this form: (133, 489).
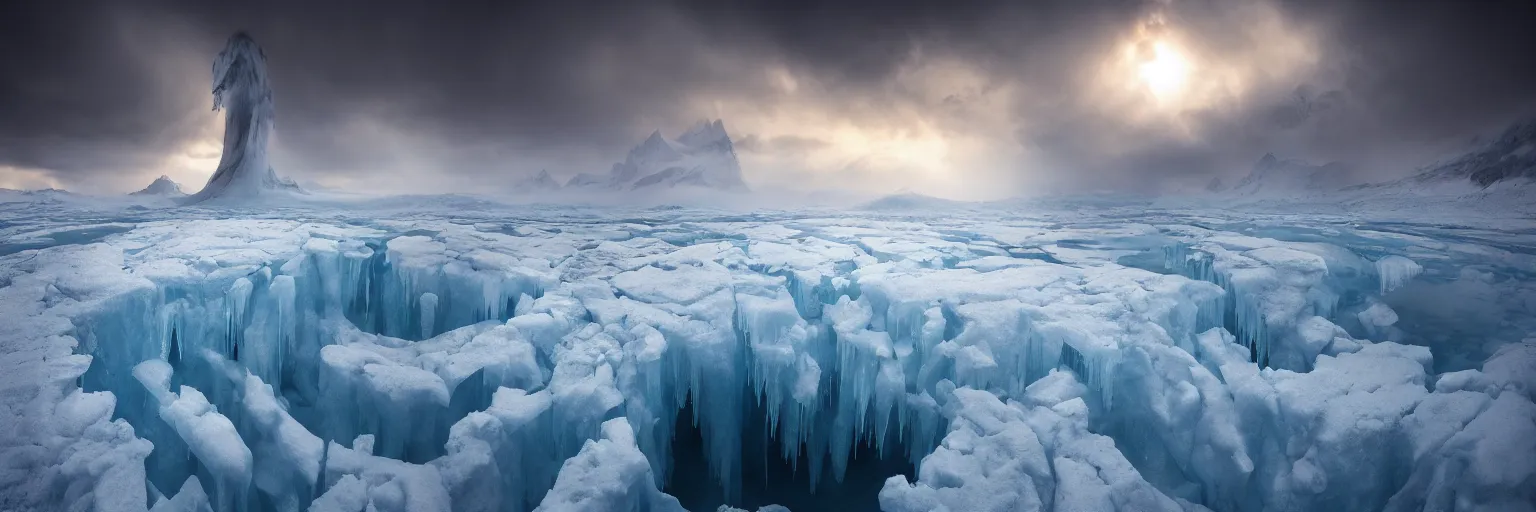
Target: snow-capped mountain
(1272, 176)
(240, 84)
(1510, 157)
(701, 157)
(1497, 176)
(162, 186)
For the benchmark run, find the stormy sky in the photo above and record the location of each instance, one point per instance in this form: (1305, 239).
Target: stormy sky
(965, 99)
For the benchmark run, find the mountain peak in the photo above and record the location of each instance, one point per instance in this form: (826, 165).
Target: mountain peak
(1274, 175)
(162, 186)
(702, 157)
(704, 132)
(541, 181)
(1511, 155)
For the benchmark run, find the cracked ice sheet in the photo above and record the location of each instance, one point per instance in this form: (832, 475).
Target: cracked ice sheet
(1096, 305)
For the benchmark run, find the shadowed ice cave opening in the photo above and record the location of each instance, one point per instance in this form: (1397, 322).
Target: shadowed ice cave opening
(767, 478)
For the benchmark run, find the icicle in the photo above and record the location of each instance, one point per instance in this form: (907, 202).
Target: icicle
(1395, 271)
(428, 303)
(239, 298)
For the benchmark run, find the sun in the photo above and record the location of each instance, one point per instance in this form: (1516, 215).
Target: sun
(1165, 71)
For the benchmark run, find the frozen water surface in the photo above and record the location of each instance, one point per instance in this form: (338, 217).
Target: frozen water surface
(453, 354)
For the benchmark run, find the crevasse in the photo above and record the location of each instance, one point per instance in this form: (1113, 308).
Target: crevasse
(423, 371)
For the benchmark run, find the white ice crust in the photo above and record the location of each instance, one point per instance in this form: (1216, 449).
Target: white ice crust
(425, 364)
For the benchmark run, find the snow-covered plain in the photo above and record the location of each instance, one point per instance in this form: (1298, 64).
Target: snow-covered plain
(397, 355)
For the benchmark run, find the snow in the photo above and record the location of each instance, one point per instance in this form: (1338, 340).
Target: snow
(1012, 456)
(190, 498)
(522, 358)
(609, 474)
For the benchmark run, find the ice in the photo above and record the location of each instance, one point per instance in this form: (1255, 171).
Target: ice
(396, 402)
(240, 84)
(464, 277)
(349, 494)
(1280, 294)
(1513, 368)
(1377, 319)
(190, 498)
(1301, 426)
(428, 320)
(210, 436)
(1509, 370)
(1395, 271)
(609, 474)
(1191, 420)
(383, 484)
(287, 456)
(507, 360)
(1014, 456)
(1484, 465)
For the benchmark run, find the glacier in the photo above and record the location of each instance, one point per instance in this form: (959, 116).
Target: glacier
(1004, 356)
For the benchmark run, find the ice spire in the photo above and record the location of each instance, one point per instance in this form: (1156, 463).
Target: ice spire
(240, 86)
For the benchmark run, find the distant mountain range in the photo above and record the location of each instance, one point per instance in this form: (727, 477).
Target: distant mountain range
(1272, 175)
(1509, 158)
(700, 157)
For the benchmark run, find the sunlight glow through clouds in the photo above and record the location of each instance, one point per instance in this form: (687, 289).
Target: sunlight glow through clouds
(935, 128)
(1168, 75)
(18, 178)
(1166, 71)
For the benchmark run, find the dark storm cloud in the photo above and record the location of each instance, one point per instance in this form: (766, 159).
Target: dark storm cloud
(573, 75)
(76, 95)
(1423, 71)
(475, 91)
